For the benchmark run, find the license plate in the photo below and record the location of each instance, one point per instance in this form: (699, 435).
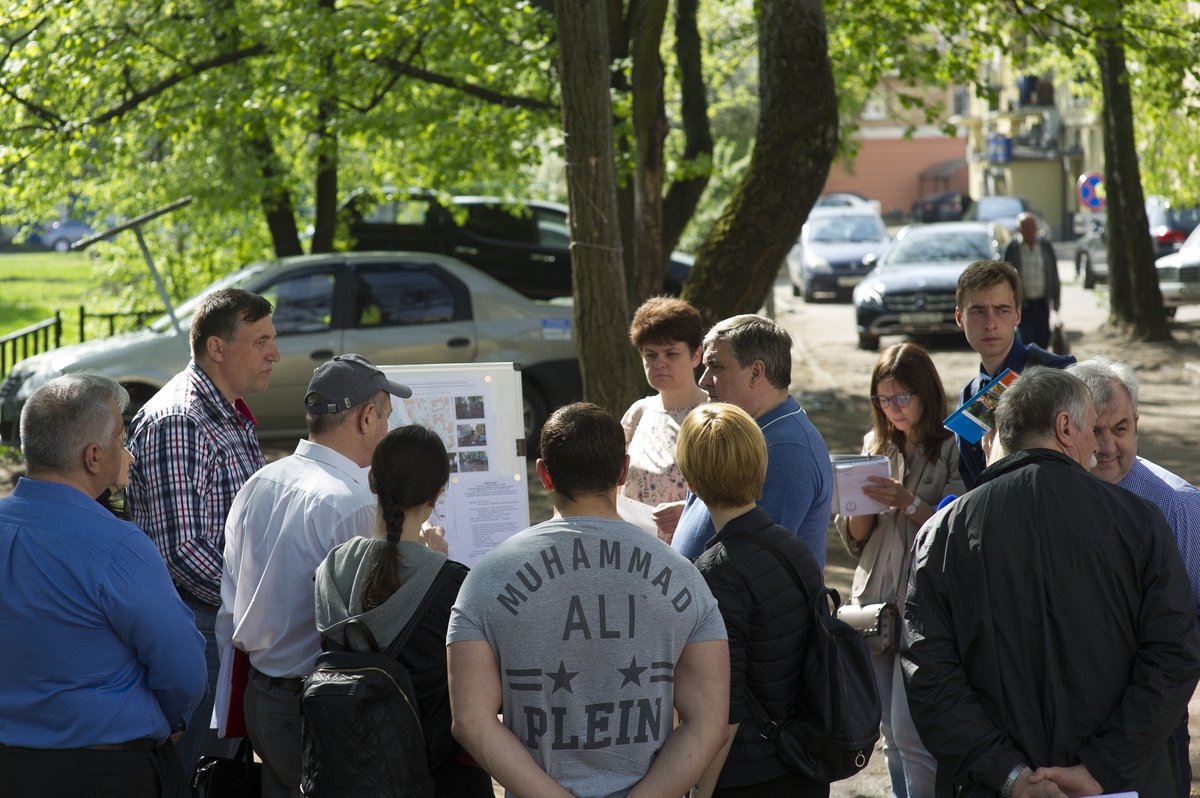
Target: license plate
(1190, 290)
(848, 282)
(930, 317)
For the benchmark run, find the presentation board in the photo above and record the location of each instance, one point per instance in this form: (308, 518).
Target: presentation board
(477, 409)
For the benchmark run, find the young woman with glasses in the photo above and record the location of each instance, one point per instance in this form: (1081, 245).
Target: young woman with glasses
(908, 405)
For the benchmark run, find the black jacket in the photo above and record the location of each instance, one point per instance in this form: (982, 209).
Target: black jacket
(1049, 620)
(768, 623)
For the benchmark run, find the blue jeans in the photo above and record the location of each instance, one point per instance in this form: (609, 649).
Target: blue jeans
(920, 768)
(886, 666)
(198, 739)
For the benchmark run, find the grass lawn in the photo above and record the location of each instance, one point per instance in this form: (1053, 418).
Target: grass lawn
(34, 285)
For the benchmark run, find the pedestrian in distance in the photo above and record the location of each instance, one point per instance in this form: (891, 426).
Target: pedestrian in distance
(1035, 261)
(723, 455)
(908, 404)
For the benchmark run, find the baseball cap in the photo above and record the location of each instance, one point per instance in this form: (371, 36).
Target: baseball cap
(346, 381)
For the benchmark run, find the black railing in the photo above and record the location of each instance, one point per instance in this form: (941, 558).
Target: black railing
(30, 340)
(139, 315)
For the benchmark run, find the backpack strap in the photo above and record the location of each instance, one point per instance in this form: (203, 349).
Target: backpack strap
(363, 630)
(398, 644)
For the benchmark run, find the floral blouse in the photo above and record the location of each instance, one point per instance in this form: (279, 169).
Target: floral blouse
(654, 476)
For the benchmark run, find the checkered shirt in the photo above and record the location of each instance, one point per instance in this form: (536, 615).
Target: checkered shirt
(193, 452)
(1180, 505)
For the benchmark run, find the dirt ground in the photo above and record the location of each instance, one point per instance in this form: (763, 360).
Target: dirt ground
(831, 377)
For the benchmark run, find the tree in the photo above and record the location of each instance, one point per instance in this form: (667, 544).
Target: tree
(606, 361)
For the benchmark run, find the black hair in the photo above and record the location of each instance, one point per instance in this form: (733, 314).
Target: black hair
(583, 448)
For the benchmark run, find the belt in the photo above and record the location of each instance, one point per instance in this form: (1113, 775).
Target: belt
(189, 598)
(292, 683)
(144, 745)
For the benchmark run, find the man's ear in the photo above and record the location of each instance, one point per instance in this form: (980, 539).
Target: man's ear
(1062, 427)
(543, 474)
(758, 371)
(214, 347)
(91, 458)
(958, 319)
(624, 472)
(366, 417)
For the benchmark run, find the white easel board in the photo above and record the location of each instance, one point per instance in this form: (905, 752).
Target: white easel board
(478, 411)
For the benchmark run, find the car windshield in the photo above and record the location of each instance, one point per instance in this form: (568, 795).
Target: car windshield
(948, 246)
(846, 229)
(991, 208)
(236, 280)
(1193, 241)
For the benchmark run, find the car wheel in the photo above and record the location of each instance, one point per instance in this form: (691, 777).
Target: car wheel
(1089, 277)
(61, 246)
(535, 414)
(139, 394)
(868, 342)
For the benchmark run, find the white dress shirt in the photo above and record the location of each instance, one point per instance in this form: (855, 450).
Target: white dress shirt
(283, 522)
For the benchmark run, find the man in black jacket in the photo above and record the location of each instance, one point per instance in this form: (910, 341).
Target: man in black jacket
(1050, 636)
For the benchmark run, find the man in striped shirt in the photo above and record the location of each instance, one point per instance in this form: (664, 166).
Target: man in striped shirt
(1114, 389)
(194, 447)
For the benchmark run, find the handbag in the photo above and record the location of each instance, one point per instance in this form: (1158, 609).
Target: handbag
(878, 623)
(222, 777)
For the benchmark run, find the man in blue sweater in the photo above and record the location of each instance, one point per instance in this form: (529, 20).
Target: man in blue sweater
(988, 309)
(748, 362)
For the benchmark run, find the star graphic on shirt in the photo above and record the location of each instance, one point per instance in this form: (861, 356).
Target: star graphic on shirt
(632, 673)
(562, 679)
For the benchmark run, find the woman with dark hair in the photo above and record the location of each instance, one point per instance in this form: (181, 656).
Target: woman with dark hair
(668, 334)
(908, 404)
(380, 582)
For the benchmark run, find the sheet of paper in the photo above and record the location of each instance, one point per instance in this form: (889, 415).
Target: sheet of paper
(637, 513)
(850, 476)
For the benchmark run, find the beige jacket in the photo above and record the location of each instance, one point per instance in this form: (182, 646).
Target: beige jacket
(882, 572)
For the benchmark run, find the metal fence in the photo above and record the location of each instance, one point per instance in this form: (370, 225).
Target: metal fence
(30, 340)
(139, 316)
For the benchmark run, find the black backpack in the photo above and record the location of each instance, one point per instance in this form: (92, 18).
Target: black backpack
(362, 732)
(833, 732)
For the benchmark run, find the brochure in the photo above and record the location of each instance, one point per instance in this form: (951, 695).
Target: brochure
(850, 473)
(978, 416)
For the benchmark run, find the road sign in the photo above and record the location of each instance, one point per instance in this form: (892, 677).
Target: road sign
(1090, 190)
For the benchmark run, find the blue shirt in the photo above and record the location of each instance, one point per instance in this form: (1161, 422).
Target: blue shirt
(98, 647)
(796, 494)
(1180, 505)
(970, 455)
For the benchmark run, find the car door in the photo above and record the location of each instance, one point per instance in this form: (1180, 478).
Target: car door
(303, 315)
(505, 244)
(409, 311)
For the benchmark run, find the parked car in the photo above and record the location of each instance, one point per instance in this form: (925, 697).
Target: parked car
(842, 199)
(396, 308)
(524, 244)
(1179, 274)
(911, 288)
(1169, 228)
(61, 234)
(946, 206)
(827, 260)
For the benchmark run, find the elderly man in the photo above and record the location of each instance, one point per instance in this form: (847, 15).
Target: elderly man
(586, 632)
(1034, 258)
(101, 660)
(1114, 389)
(748, 362)
(283, 522)
(1050, 641)
(195, 447)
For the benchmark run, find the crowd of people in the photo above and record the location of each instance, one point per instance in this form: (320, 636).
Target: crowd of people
(1045, 581)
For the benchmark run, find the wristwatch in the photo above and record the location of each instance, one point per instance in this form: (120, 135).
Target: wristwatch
(911, 509)
(1013, 775)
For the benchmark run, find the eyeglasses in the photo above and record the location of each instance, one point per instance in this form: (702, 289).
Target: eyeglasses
(901, 400)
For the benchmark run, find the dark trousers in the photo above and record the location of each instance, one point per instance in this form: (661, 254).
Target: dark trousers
(199, 739)
(1035, 323)
(789, 785)
(273, 722)
(1183, 742)
(79, 772)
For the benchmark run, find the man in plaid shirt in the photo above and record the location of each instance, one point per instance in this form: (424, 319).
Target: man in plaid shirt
(194, 447)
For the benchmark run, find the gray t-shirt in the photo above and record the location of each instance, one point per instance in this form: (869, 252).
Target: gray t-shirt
(587, 618)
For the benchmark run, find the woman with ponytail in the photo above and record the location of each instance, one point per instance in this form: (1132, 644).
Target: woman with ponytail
(381, 582)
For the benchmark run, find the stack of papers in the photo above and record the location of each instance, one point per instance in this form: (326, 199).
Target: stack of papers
(850, 474)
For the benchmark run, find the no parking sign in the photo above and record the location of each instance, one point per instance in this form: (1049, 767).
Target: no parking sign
(1090, 190)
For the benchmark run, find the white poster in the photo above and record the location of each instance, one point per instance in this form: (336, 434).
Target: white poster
(486, 500)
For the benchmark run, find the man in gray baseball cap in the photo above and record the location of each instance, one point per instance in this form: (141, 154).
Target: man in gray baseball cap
(283, 522)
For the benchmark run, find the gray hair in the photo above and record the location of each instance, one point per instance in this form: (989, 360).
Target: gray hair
(1103, 376)
(324, 423)
(1027, 409)
(65, 416)
(752, 338)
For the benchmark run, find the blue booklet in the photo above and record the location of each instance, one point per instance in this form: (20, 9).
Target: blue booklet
(978, 416)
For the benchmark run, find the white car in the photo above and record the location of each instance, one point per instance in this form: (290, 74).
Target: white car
(396, 308)
(1179, 274)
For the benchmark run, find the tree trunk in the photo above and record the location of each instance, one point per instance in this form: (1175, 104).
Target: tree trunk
(684, 194)
(650, 130)
(1136, 302)
(325, 205)
(796, 141)
(618, 50)
(276, 200)
(606, 360)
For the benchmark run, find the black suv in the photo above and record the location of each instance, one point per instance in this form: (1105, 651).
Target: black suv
(524, 244)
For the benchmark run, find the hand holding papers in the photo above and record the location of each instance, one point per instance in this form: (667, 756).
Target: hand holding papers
(850, 474)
